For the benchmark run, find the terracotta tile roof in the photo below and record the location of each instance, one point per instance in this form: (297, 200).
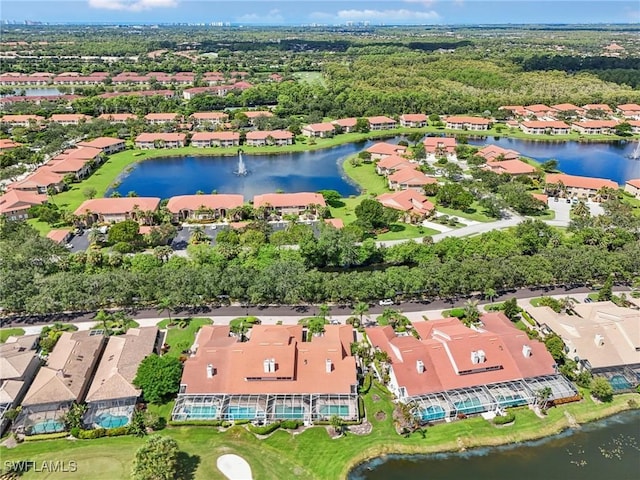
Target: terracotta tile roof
(538, 108)
(167, 137)
(433, 144)
(300, 367)
(629, 107)
(380, 119)
(406, 201)
(383, 148)
(101, 142)
(470, 120)
(67, 165)
(580, 182)
(258, 113)
(491, 152)
(414, 117)
(119, 364)
(168, 117)
(114, 206)
(283, 200)
(7, 144)
(517, 109)
(42, 177)
(512, 167)
(58, 235)
(334, 222)
(346, 122)
(566, 107)
(410, 176)
(544, 124)
(541, 196)
(597, 123)
(82, 153)
(118, 117)
(68, 117)
(320, 127)
(598, 106)
(20, 200)
(264, 134)
(21, 118)
(446, 348)
(634, 182)
(194, 202)
(207, 136)
(209, 116)
(394, 162)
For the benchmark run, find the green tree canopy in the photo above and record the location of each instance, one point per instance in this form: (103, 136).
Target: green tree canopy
(158, 377)
(157, 459)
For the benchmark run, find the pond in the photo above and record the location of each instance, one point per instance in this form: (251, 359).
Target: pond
(605, 449)
(37, 92)
(294, 172)
(609, 160)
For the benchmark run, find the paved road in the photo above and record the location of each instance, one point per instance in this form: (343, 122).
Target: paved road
(297, 310)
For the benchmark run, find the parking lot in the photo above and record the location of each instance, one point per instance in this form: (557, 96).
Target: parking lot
(562, 209)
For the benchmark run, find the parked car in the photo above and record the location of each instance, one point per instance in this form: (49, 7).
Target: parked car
(588, 300)
(386, 302)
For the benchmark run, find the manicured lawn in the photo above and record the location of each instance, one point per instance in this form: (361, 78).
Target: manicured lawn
(365, 176)
(180, 339)
(310, 77)
(399, 231)
(311, 454)
(474, 212)
(7, 332)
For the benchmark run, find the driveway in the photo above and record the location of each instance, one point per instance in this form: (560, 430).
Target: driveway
(562, 210)
(79, 243)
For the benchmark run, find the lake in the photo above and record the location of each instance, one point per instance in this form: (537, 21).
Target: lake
(294, 172)
(605, 160)
(37, 92)
(609, 449)
(321, 169)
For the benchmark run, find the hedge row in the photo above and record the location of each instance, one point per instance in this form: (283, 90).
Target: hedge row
(508, 418)
(45, 436)
(264, 429)
(99, 432)
(366, 384)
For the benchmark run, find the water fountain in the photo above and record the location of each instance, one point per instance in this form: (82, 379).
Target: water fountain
(636, 152)
(242, 169)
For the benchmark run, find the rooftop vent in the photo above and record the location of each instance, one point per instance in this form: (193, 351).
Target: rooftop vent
(526, 351)
(599, 340)
(420, 366)
(209, 371)
(328, 365)
(478, 356)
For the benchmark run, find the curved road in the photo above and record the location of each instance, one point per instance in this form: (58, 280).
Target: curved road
(295, 310)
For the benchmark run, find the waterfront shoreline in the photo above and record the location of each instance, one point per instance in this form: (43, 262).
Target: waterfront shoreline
(559, 426)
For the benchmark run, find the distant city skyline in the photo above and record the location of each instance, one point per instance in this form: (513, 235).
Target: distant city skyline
(332, 12)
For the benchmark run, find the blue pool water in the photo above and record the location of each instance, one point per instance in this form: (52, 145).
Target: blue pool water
(340, 410)
(47, 426)
(241, 413)
(106, 420)
(469, 406)
(202, 412)
(618, 382)
(289, 413)
(432, 412)
(511, 401)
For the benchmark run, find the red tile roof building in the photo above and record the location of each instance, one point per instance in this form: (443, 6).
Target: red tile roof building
(203, 207)
(542, 127)
(413, 120)
(382, 150)
(69, 118)
(15, 204)
(511, 167)
(40, 181)
(391, 164)
(632, 187)
(413, 204)
(215, 139)
(118, 117)
(7, 144)
(455, 370)
(467, 123)
(273, 376)
(209, 117)
(629, 110)
(347, 124)
(595, 127)
(320, 130)
(60, 235)
(493, 152)
(584, 187)
(159, 118)
(289, 203)
(160, 140)
(409, 179)
(381, 123)
(538, 110)
(21, 120)
(112, 210)
(436, 147)
(598, 106)
(260, 138)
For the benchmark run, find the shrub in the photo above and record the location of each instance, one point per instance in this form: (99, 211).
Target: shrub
(361, 412)
(123, 247)
(241, 422)
(632, 403)
(503, 420)
(91, 434)
(602, 389)
(75, 432)
(264, 429)
(584, 379)
(226, 424)
(118, 431)
(366, 384)
(456, 312)
(45, 436)
(291, 424)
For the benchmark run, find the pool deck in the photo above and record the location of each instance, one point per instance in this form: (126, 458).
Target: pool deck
(234, 467)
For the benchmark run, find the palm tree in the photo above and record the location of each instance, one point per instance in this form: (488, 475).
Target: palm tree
(471, 312)
(490, 293)
(581, 210)
(167, 304)
(360, 309)
(198, 235)
(337, 423)
(163, 252)
(324, 310)
(542, 397)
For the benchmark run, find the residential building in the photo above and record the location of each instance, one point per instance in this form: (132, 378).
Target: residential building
(629, 111)
(273, 376)
(391, 164)
(467, 123)
(19, 364)
(162, 118)
(381, 123)
(409, 178)
(112, 210)
(290, 203)
(40, 181)
(261, 138)
(69, 118)
(635, 125)
(215, 139)
(21, 120)
(160, 140)
(15, 204)
(492, 153)
(112, 397)
(439, 147)
(539, 111)
(632, 187)
(511, 167)
(601, 336)
(211, 118)
(414, 205)
(568, 109)
(542, 127)
(576, 186)
(603, 107)
(108, 145)
(382, 150)
(516, 110)
(595, 127)
(252, 115)
(60, 235)
(413, 120)
(453, 371)
(203, 207)
(7, 144)
(347, 125)
(118, 117)
(64, 380)
(320, 130)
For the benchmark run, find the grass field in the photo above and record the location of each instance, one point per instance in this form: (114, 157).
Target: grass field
(311, 454)
(180, 339)
(310, 77)
(7, 332)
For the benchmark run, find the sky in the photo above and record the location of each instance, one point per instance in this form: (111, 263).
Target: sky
(327, 12)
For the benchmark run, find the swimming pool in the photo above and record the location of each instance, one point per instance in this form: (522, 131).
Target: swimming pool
(618, 382)
(510, 400)
(47, 426)
(340, 410)
(241, 413)
(201, 412)
(289, 413)
(107, 420)
(471, 405)
(432, 412)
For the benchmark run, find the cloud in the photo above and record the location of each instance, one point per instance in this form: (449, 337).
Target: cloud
(426, 3)
(272, 17)
(387, 15)
(132, 5)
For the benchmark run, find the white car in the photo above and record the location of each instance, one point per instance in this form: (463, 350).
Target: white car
(386, 302)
